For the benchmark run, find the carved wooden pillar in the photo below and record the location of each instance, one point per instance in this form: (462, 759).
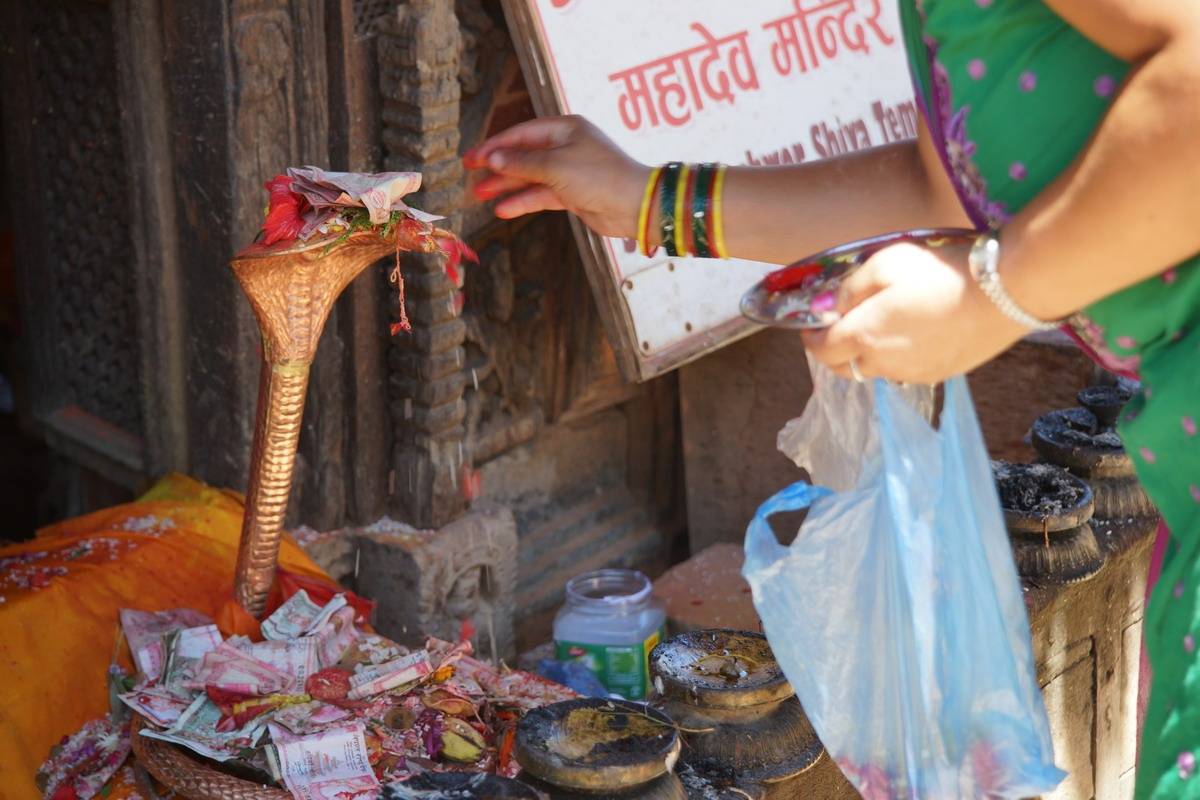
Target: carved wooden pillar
(228, 108)
(419, 50)
(240, 90)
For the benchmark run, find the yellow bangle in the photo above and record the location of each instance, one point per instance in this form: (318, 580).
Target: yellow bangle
(718, 220)
(680, 224)
(643, 228)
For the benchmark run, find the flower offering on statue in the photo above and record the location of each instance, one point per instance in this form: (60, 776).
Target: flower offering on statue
(309, 203)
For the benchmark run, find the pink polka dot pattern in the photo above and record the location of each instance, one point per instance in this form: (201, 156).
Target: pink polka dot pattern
(1186, 764)
(1104, 86)
(1027, 81)
(1189, 426)
(976, 68)
(1169, 276)
(1189, 644)
(1017, 171)
(983, 3)
(1148, 455)
(1195, 492)
(1127, 342)
(1178, 590)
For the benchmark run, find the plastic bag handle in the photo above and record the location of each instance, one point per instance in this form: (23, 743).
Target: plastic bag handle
(762, 548)
(956, 405)
(955, 402)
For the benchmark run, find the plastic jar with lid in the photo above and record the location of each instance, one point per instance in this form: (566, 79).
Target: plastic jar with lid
(611, 621)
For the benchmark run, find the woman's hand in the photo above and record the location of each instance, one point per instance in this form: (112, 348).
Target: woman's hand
(561, 163)
(914, 315)
(771, 213)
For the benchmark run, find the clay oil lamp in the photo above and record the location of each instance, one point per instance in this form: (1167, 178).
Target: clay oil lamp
(595, 748)
(1105, 401)
(1047, 512)
(1083, 441)
(742, 724)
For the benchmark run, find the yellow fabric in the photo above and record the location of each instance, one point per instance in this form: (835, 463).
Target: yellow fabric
(61, 592)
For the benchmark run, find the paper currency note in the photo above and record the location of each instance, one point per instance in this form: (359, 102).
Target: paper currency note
(309, 718)
(233, 670)
(336, 604)
(291, 619)
(380, 678)
(317, 220)
(300, 616)
(335, 636)
(195, 642)
(196, 729)
(297, 658)
(330, 765)
(157, 704)
(144, 631)
(371, 648)
(185, 648)
(379, 192)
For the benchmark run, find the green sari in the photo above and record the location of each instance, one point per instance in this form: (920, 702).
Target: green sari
(1012, 93)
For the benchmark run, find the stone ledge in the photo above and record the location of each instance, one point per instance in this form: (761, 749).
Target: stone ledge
(708, 591)
(428, 582)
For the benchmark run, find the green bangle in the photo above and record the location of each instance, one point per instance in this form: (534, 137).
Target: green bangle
(670, 186)
(701, 207)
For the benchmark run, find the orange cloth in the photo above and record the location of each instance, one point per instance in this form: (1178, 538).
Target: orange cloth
(60, 593)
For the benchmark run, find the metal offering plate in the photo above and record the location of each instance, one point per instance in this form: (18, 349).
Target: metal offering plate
(804, 294)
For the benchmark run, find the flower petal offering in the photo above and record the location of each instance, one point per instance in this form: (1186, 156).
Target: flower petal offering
(308, 203)
(804, 294)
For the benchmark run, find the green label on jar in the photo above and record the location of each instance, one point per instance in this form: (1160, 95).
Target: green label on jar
(623, 669)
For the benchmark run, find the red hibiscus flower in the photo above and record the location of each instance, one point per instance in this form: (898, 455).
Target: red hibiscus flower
(456, 251)
(285, 213)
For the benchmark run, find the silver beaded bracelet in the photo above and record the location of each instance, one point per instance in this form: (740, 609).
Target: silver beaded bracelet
(983, 261)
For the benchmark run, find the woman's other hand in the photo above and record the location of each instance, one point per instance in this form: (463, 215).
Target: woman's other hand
(561, 163)
(914, 315)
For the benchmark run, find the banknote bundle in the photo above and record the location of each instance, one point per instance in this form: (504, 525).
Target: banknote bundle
(330, 194)
(321, 706)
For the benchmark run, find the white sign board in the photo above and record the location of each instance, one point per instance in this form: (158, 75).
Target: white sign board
(752, 82)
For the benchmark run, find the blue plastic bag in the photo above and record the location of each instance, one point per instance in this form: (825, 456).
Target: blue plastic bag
(898, 616)
(575, 675)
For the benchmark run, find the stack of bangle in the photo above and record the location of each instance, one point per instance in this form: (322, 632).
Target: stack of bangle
(689, 202)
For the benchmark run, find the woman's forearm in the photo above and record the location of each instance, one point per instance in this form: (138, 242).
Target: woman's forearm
(779, 214)
(1129, 207)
